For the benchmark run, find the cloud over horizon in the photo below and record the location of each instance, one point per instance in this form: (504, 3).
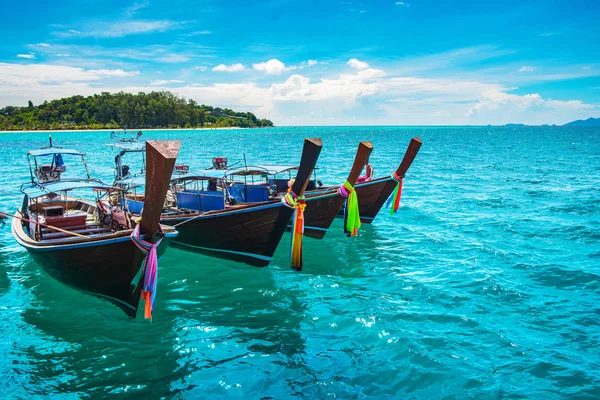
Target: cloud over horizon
(300, 99)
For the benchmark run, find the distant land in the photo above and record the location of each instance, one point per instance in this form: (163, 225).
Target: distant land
(135, 111)
(587, 122)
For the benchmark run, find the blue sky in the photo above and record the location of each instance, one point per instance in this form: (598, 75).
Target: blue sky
(316, 62)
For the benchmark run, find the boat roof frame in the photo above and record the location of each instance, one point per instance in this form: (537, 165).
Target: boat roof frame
(37, 190)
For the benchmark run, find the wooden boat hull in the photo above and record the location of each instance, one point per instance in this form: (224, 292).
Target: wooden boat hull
(102, 268)
(372, 195)
(320, 212)
(245, 235)
(322, 208)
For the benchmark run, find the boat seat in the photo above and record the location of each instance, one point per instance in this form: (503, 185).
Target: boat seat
(70, 228)
(86, 232)
(61, 238)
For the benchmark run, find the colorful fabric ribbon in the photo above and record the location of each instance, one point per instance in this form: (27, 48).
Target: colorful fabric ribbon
(397, 193)
(351, 211)
(150, 269)
(298, 203)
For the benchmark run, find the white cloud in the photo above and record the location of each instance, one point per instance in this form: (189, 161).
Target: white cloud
(527, 68)
(15, 75)
(88, 55)
(229, 68)
(371, 73)
(346, 87)
(30, 56)
(123, 28)
(196, 33)
(118, 73)
(369, 96)
(202, 68)
(39, 45)
(402, 4)
(272, 67)
(61, 55)
(312, 62)
(356, 64)
(496, 107)
(163, 82)
(173, 58)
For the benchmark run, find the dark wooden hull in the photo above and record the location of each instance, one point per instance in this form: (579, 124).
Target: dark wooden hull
(105, 269)
(248, 235)
(323, 208)
(372, 196)
(320, 212)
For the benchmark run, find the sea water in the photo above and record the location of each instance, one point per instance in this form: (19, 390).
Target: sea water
(484, 284)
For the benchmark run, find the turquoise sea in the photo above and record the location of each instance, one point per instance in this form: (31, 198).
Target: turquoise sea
(485, 284)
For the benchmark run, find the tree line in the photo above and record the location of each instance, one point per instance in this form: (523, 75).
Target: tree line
(116, 110)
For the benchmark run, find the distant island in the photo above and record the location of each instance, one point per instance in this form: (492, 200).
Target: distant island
(116, 110)
(587, 122)
(515, 125)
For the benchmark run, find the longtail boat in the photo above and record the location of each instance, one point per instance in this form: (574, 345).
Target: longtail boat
(263, 183)
(248, 232)
(374, 193)
(326, 200)
(91, 246)
(240, 224)
(323, 206)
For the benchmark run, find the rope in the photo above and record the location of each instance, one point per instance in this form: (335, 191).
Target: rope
(298, 203)
(351, 211)
(397, 193)
(187, 220)
(150, 269)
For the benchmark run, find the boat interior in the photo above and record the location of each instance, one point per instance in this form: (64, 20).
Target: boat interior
(75, 216)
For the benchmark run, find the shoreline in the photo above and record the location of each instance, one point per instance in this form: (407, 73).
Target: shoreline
(128, 130)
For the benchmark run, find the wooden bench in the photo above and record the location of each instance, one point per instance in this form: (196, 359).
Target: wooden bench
(92, 231)
(70, 228)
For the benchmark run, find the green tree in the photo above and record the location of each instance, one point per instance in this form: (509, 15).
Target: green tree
(114, 110)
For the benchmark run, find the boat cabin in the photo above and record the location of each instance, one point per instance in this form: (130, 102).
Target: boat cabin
(198, 193)
(43, 171)
(53, 213)
(281, 175)
(51, 208)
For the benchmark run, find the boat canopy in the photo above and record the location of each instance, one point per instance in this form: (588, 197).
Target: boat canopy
(132, 181)
(42, 189)
(189, 178)
(246, 171)
(211, 173)
(128, 146)
(53, 150)
(277, 169)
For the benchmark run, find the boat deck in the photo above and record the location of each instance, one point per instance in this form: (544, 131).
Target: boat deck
(78, 217)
